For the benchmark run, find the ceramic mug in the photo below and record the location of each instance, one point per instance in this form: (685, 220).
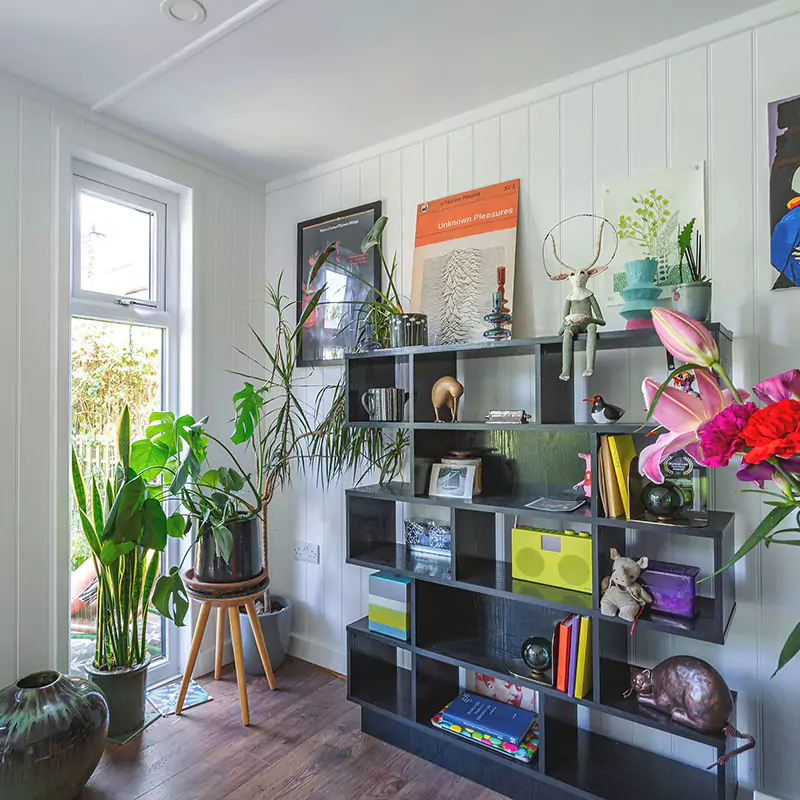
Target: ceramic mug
(384, 405)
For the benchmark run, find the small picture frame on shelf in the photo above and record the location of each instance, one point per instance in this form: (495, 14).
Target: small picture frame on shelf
(452, 481)
(429, 536)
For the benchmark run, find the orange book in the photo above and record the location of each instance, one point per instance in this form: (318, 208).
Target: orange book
(562, 667)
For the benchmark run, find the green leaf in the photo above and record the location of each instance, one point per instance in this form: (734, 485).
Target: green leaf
(247, 403)
(308, 310)
(111, 551)
(179, 481)
(154, 526)
(764, 528)
(90, 533)
(373, 238)
(161, 430)
(78, 486)
(124, 438)
(146, 455)
(210, 478)
(170, 598)
(322, 258)
(97, 507)
(790, 649)
(230, 479)
(124, 522)
(176, 525)
(223, 539)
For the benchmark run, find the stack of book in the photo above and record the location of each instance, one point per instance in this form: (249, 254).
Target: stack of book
(506, 729)
(615, 457)
(572, 652)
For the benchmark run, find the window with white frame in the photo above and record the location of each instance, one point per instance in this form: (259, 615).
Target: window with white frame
(124, 352)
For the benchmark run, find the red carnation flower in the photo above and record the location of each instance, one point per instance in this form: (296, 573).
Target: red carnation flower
(773, 431)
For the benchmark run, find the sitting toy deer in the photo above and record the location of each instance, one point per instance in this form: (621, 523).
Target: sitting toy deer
(581, 312)
(621, 592)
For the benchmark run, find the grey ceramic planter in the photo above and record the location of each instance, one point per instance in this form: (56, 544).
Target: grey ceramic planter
(693, 299)
(125, 690)
(276, 627)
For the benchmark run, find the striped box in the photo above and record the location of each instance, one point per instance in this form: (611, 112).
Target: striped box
(390, 605)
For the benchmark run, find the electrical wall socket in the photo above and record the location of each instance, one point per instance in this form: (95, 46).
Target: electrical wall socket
(306, 551)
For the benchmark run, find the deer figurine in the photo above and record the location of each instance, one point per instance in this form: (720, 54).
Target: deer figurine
(582, 314)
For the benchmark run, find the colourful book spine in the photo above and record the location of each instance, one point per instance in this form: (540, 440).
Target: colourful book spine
(583, 675)
(562, 667)
(574, 635)
(622, 453)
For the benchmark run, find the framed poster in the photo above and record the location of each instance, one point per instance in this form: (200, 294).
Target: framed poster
(464, 251)
(330, 331)
(784, 192)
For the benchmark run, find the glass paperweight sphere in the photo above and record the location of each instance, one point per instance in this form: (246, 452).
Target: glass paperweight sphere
(663, 501)
(537, 654)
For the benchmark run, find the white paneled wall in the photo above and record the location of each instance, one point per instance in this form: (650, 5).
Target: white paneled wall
(702, 98)
(223, 253)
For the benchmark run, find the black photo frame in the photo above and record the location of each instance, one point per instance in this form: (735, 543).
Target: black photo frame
(326, 337)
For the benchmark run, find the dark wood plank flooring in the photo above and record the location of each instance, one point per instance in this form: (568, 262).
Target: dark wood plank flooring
(304, 742)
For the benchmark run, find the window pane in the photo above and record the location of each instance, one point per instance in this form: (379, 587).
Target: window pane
(115, 248)
(113, 364)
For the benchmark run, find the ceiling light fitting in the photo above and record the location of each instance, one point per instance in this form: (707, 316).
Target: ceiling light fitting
(192, 11)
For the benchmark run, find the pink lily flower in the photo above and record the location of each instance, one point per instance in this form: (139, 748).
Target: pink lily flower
(785, 386)
(682, 414)
(684, 337)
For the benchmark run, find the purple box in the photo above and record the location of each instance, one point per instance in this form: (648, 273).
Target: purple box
(672, 587)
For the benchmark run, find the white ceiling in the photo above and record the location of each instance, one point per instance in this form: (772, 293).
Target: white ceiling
(272, 87)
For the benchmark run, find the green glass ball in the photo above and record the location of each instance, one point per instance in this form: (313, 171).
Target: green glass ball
(663, 501)
(537, 653)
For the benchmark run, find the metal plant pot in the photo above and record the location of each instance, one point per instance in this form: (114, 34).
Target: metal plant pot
(124, 689)
(247, 556)
(52, 735)
(276, 628)
(408, 330)
(693, 299)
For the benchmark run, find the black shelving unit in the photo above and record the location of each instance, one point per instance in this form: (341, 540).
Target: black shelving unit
(469, 612)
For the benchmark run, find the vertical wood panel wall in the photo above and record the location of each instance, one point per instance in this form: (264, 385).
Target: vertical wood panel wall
(701, 99)
(39, 134)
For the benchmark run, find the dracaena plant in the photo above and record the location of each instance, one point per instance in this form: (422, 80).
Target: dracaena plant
(127, 530)
(339, 448)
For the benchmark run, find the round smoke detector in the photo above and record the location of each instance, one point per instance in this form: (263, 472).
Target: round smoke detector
(184, 10)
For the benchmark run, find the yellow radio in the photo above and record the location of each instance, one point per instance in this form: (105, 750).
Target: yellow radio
(554, 558)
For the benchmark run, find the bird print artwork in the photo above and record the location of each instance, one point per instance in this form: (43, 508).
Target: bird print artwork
(604, 413)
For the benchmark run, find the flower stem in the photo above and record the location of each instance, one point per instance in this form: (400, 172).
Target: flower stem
(718, 368)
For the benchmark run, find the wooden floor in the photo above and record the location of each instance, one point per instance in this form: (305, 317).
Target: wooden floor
(304, 742)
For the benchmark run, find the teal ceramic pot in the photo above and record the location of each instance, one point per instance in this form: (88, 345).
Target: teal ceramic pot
(641, 294)
(52, 735)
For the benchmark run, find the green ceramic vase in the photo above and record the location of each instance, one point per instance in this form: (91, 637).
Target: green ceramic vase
(52, 735)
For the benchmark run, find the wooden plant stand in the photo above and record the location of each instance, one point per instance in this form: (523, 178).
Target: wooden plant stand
(231, 602)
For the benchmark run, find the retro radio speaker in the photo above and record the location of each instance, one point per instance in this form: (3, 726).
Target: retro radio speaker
(554, 558)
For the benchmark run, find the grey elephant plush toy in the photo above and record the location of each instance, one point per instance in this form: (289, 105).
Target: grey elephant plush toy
(621, 592)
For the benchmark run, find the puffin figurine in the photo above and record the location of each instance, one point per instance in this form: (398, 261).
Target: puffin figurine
(604, 413)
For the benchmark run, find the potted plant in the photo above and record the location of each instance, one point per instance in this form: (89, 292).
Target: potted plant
(282, 437)
(381, 319)
(127, 530)
(651, 215)
(692, 298)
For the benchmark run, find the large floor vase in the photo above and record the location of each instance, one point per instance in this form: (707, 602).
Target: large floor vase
(52, 734)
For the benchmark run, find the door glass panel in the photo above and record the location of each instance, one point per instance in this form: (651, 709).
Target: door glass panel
(116, 250)
(113, 364)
